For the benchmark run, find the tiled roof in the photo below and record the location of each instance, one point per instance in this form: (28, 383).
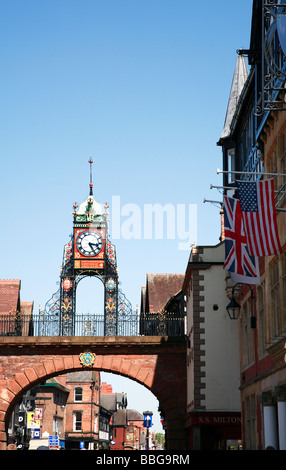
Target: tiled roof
(121, 417)
(10, 298)
(134, 415)
(239, 78)
(9, 295)
(159, 289)
(108, 402)
(27, 307)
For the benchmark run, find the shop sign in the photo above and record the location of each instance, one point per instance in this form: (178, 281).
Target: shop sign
(216, 420)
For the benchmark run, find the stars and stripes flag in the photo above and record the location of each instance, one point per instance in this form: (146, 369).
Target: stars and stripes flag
(238, 262)
(259, 217)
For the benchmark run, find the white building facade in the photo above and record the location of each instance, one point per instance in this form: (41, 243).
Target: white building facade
(213, 395)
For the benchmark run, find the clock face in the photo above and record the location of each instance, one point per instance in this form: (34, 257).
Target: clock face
(89, 243)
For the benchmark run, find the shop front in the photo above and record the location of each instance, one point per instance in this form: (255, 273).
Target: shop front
(214, 431)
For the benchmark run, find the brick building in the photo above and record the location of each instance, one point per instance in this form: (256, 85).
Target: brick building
(49, 413)
(128, 432)
(160, 288)
(82, 410)
(162, 301)
(127, 426)
(83, 415)
(68, 407)
(255, 146)
(15, 315)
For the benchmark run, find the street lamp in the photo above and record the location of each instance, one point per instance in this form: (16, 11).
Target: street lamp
(233, 308)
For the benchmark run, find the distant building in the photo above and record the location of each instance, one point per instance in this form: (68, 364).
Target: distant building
(127, 426)
(49, 413)
(128, 432)
(15, 315)
(68, 407)
(162, 301)
(82, 410)
(158, 291)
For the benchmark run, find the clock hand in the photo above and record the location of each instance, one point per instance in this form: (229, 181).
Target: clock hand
(93, 246)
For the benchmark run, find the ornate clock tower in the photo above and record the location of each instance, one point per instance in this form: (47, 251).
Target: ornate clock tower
(89, 253)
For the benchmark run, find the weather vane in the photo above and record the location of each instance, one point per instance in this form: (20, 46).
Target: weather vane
(90, 161)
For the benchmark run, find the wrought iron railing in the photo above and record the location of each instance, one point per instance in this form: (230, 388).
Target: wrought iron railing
(155, 324)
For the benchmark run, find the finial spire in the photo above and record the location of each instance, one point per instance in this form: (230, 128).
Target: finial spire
(90, 161)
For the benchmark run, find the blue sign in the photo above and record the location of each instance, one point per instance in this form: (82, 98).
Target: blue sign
(147, 423)
(53, 440)
(81, 444)
(36, 434)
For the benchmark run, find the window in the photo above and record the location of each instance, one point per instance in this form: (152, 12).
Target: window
(247, 335)
(281, 180)
(275, 317)
(272, 163)
(261, 317)
(246, 142)
(231, 164)
(59, 398)
(77, 420)
(250, 422)
(283, 308)
(78, 394)
(57, 426)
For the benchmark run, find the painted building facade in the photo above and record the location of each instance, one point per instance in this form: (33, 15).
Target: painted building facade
(213, 400)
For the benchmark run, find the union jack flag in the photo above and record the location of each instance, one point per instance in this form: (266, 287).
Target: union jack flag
(237, 258)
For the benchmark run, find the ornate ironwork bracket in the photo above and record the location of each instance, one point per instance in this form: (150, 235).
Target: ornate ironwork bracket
(273, 60)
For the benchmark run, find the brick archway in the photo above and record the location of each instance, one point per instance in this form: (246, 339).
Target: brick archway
(158, 363)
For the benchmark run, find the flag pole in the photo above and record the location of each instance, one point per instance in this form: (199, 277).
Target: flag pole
(252, 173)
(216, 202)
(278, 209)
(235, 187)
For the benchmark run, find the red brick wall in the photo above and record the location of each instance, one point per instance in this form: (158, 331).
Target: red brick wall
(26, 362)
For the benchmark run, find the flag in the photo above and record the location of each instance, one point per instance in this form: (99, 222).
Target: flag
(242, 266)
(259, 217)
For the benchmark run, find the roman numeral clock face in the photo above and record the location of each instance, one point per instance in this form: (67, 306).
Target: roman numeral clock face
(89, 243)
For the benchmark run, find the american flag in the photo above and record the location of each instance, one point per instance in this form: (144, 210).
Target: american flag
(237, 257)
(259, 217)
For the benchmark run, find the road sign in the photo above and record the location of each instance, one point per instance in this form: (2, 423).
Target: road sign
(147, 423)
(53, 441)
(36, 434)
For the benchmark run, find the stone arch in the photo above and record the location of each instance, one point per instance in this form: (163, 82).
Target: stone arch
(160, 374)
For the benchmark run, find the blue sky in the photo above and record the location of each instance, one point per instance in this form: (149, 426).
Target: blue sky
(142, 87)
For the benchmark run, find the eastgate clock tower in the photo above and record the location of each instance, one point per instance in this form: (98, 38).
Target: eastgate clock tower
(89, 253)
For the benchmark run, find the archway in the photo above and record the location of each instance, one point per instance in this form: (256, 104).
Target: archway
(138, 396)
(157, 363)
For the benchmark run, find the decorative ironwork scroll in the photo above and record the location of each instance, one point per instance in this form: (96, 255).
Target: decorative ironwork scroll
(273, 58)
